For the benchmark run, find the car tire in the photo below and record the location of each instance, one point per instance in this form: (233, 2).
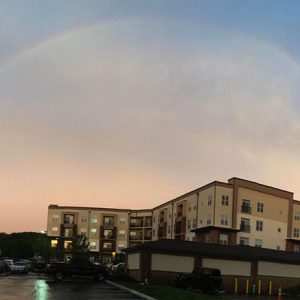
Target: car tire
(59, 276)
(100, 276)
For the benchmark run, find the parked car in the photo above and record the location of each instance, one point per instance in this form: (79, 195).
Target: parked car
(119, 267)
(205, 279)
(77, 267)
(4, 268)
(9, 262)
(19, 266)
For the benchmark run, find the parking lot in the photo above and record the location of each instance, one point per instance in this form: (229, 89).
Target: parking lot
(39, 287)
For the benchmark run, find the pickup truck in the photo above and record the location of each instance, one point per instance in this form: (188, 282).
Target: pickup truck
(208, 280)
(77, 267)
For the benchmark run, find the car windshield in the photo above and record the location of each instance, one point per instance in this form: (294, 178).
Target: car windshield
(19, 263)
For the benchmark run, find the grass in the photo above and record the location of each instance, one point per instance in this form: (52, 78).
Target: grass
(164, 292)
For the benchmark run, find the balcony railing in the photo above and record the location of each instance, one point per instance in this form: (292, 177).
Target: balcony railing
(245, 227)
(246, 209)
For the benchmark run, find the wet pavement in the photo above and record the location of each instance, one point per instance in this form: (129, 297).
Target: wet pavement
(39, 287)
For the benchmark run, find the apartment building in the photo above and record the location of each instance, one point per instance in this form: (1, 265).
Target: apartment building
(108, 230)
(230, 213)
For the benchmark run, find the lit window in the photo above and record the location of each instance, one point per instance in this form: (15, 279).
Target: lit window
(107, 246)
(93, 245)
(54, 243)
(122, 232)
(54, 229)
(67, 245)
(121, 247)
(108, 233)
(93, 230)
(108, 221)
(83, 230)
(94, 220)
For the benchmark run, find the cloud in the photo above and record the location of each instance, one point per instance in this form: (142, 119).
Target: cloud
(147, 116)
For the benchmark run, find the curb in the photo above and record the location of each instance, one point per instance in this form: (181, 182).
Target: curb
(122, 287)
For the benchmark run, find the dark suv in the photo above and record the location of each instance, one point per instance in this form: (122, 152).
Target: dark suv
(207, 280)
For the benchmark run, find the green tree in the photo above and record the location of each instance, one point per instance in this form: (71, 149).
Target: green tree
(80, 247)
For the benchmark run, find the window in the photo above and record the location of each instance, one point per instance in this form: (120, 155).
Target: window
(296, 232)
(209, 201)
(258, 243)
(277, 247)
(54, 229)
(245, 225)
(246, 208)
(195, 207)
(122, 221)
(93, 231)
(121, 247)
(297, 216)
(194, 224)
(83, 219)
(189, 224)
(108, 221)
(190, 208)
(296, 248)
(260, 207)
(93, 245)
(259, 225)
(68, 232)
(122, 233)
(107, 246)
(67, 245)
(225, 200)
(279, 229)
(55, 218)
(54, 243)
(244, 241)
(154, 219)
(223, 239)
(208, 222)
(224, 219)
(94, 220)
(169, 229)
(108, 233)
(69, 219)
(153, 232)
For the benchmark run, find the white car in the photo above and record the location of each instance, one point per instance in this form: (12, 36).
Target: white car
(19, 267)
(118, 267)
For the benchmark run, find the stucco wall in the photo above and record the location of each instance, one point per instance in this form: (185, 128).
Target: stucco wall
(277, 269)
(133, 261)
(229, 267)
(172, 263)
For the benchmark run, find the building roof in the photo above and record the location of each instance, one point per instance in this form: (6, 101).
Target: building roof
(239, 252)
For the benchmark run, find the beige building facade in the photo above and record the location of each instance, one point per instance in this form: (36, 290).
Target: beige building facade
(230, 213)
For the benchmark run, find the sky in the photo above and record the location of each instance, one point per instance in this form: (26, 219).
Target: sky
(129, 104)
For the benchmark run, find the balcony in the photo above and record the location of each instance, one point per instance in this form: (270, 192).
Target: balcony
(246, 209)
(245, 227)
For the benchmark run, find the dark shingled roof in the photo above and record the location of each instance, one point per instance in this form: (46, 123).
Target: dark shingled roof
(238, 252)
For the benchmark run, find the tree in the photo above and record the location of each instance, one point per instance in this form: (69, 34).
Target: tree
(80, 247)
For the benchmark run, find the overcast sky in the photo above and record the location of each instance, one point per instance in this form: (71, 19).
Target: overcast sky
(129, 104)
